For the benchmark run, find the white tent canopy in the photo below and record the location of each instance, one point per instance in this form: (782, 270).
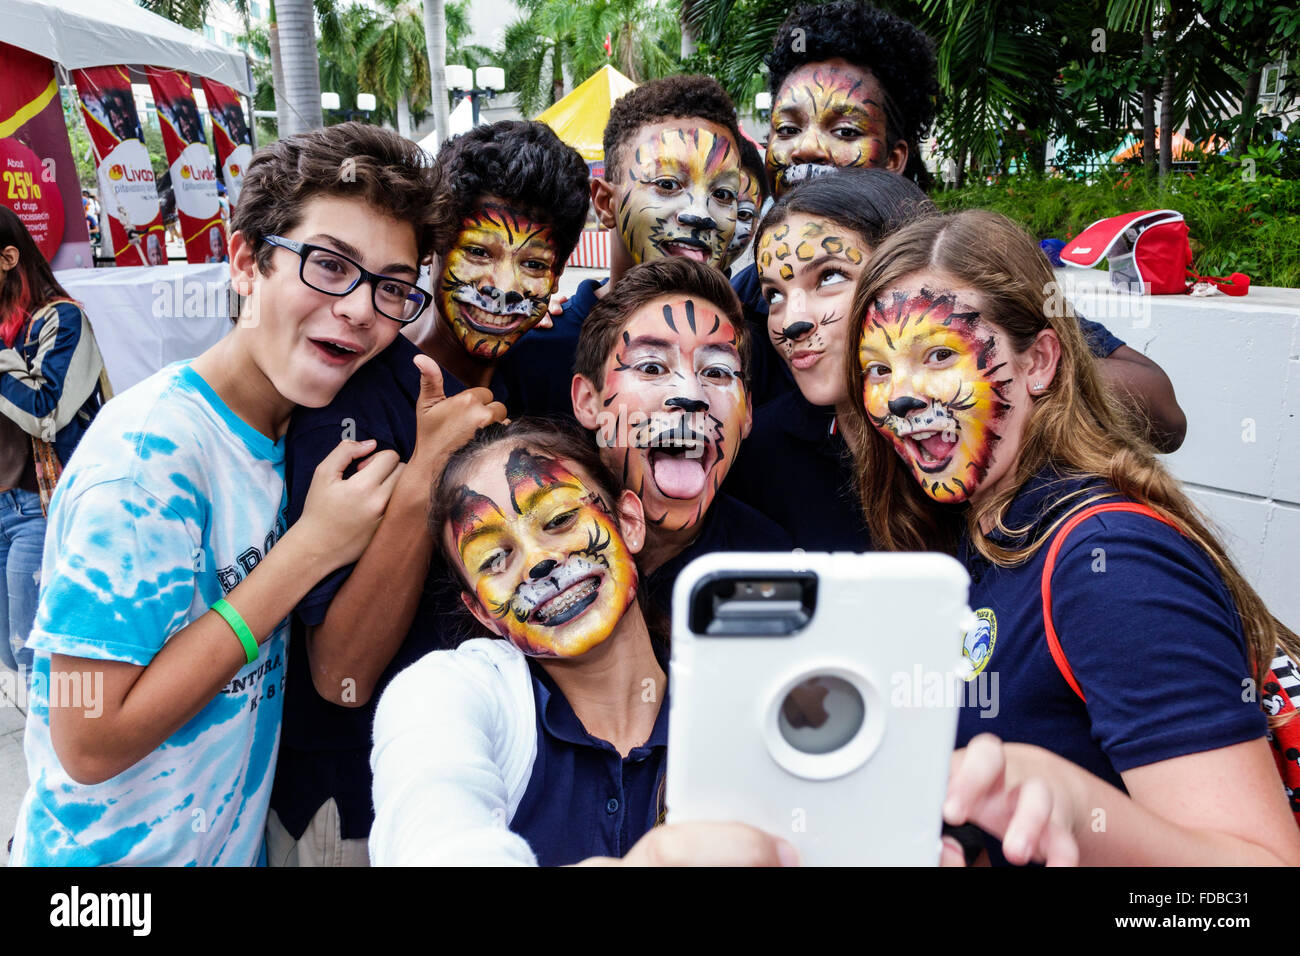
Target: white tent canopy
(84, 33)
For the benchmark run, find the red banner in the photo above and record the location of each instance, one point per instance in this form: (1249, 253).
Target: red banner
(194, 180)
(38, 179)
(230, 135)
(128, 195)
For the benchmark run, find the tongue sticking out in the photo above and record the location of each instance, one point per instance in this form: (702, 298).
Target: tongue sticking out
(677, 477)
(939, 446)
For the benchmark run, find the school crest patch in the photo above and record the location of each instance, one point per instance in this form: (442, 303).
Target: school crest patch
(977, 648)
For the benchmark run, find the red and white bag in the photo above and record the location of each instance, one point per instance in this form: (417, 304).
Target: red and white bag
(1147, 253)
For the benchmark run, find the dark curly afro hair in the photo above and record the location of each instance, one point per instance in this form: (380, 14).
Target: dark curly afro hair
(899, 55)
(751, 161)
(526, 164)
(673, 97)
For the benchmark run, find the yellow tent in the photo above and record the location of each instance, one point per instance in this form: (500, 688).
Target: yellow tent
(579, 119)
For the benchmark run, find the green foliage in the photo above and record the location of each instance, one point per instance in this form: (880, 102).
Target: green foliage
(1242, 217)
(557, 42)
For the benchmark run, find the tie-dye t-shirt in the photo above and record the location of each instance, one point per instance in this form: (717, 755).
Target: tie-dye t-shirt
(169, 501)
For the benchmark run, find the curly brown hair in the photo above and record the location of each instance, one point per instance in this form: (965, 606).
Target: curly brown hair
(351, 159)
(674, 97)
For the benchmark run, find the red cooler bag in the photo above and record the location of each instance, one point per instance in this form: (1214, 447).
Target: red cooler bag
(1147, 251)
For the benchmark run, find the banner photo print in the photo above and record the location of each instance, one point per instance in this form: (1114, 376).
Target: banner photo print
(38, 179)
(230, 136)
(194, 179)
(128, 195)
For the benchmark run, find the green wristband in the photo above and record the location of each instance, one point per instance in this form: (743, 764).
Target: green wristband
(241, 629)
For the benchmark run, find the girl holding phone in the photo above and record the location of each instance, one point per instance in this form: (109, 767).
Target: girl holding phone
(544, 743)
(981, 427)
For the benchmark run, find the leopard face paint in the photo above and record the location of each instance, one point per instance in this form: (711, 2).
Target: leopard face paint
(826, 115)
(497, 279)
(934, 382)
(675, 407)
(543, 554)
(808, 268)
(677, 194)
(751, 198)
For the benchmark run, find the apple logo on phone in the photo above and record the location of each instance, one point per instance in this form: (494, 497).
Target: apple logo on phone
(821, 714)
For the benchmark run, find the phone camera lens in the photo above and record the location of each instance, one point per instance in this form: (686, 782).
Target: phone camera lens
(821, 714)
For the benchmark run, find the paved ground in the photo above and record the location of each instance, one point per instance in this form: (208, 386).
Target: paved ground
(13, 766)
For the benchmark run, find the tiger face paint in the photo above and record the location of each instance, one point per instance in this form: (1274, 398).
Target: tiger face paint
(677, 192)
(825, 115)
(674, 409)
(808, 268)
(935, 381)
(497, 279)
(542, 553)
(747, 206)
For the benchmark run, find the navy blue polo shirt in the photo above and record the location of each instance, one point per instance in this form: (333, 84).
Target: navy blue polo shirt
(538, 369)
(796, 472)
(324, 747)
(1145, 621)
(584, 799)
(728, 525)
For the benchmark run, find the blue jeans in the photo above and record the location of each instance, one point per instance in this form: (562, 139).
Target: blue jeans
(22, 538)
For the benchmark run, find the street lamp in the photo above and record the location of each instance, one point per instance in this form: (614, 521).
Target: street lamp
(365, 104)
(482, 84)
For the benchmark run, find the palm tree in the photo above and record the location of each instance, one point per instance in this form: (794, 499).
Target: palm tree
(296, 32)
(459, 50)
(537, 48)
(555, 39)
(393, 61)
(435, 38)
(1195, 85)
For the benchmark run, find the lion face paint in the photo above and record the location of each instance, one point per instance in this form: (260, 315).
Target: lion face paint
(747, 206)
(543, 555)
(678, 191)
(808, 268)
(933, 383)
(825, 115)
(497, 279)
(676, 408)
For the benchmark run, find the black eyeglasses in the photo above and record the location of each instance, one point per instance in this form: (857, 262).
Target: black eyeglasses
(335, 274)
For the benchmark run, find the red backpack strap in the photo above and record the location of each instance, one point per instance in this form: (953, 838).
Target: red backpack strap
(1053, 642)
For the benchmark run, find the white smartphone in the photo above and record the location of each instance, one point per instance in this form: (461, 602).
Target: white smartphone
(814, 696)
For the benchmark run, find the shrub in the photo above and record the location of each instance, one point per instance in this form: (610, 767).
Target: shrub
(1242, 217)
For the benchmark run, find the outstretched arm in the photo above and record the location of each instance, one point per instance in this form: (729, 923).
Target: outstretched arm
(1219, 807)
(1144, 385)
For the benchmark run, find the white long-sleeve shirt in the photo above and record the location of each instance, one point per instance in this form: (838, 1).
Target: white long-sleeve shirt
(455, 739)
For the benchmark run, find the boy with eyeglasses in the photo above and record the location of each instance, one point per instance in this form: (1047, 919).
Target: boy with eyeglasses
(519, 198)
(170, 568)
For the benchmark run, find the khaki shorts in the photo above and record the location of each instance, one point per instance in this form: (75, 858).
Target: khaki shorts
(321, 843)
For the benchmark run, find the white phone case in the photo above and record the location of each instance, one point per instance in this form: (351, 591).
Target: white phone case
(889, 624)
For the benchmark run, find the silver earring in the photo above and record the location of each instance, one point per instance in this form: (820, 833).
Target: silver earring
(1038, 386)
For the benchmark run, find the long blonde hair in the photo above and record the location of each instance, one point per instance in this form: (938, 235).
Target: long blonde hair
(1077, 426)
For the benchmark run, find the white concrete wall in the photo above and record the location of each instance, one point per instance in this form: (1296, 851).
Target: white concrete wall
(1235, 365)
